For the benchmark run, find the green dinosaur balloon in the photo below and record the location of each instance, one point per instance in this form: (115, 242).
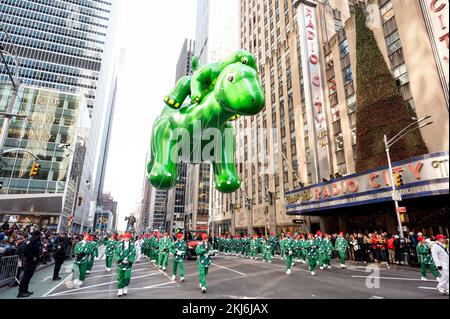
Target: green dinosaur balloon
(204, 79)
(237, 91)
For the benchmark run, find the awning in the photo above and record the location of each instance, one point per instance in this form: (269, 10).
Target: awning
(48, 204)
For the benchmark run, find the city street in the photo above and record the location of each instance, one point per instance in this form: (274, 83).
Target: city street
(236, 278)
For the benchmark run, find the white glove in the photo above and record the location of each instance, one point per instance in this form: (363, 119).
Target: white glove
(179, 253)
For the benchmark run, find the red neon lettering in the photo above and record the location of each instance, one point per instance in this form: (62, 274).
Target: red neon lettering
(308, 13)
(319, 120)
(372, 181)
(336, 191)
(353, 186)
(317, 193)
(416, 170)
(397, 170)
(436, 9)
(311, 35)
(343, 187)
(387, 181)
(443, 22)
(314, 59)
(444, 39)
(326, 192)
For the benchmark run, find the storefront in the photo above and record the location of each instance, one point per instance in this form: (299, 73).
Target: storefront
(363, 202)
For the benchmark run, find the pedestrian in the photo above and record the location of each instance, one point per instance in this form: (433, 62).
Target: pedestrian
(342, 247)
(138, 247)
(31, 252)
(110, 244)
(178, 249)
(391, 249)
(83, 251)
(439, 251)
(59, 255)
(426, 260)
(203, 261)
(124, 256)
(164, 250)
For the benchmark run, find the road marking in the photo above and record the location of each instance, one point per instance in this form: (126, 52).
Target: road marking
(54, 288)
(388, 278)
(114, 274)
(98, 285)
(240, 273)
(47, 278)
(376, 297)
(428, 288)
(104, 268)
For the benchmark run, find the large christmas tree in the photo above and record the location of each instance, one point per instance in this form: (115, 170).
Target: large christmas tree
(381, 109)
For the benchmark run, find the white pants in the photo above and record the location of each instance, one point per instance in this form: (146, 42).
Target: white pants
(443, 283)
(138, 255)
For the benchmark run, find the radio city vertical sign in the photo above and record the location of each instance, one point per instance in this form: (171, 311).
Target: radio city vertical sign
(317, 121)
(436, 19)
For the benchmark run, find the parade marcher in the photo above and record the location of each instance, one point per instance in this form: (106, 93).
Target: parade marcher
(164, 251)
(439, 251)
(94, 254)
(312, 252)
(203, 261)
(325, 252)
(254, 247)
(125, 255)
(83, 251)
(426, 260)
(138, 247)
(298, 250)
(154, 247)
(59, 255)
(31, 250)
(291, 246)
(342, 246)
(282, 247)
(178, 249)
(303, 252)
(109, 251)
(273, 243)
(266, 250)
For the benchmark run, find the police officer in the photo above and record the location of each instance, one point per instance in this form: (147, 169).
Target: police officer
(31, 253)
(59, 255)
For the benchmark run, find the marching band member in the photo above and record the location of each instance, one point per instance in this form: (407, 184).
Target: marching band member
(125, 255)
(203, 261)
(178, 250)
(109, 251)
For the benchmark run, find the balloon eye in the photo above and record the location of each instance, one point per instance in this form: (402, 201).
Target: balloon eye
(244, 61)
(231, 78)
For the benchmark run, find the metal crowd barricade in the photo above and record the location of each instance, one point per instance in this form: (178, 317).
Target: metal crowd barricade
(8, 269)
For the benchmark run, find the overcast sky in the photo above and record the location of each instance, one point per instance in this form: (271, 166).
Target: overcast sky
(152, 34)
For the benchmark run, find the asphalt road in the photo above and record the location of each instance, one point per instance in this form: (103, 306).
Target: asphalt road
(232, 277)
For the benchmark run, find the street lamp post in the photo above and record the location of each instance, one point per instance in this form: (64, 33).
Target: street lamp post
(388, 144)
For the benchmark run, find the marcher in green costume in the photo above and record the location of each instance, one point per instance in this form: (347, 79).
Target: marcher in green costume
(290, 246)
(164, 251)
(203, 261)
(254, 247)
(109, 251)
(300, 247)
(83, 252)
(311, 251)
(124, 256)
(237, 91)
(342, 247)
(325, 252)
(94, 254)
(178, 249)
(266, 249)
(282, 247)
(426, 260)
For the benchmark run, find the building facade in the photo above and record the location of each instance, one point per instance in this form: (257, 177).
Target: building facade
(53, 119)
(217, 37)
(304, 142)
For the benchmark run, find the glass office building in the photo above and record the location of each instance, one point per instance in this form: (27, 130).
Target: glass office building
(60, 43)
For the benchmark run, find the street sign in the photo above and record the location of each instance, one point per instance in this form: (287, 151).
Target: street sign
(396, 196)
(401, 210)
(299, 221)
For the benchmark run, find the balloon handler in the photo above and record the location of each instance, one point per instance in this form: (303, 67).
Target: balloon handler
(203, 261)
(124, 256)
(178, 250)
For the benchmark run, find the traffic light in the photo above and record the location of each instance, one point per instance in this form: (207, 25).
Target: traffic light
(398, 180)
(35, 169)
(404, 218)
(80, 200)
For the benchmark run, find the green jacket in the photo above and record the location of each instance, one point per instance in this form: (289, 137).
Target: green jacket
(326, 247)
(311, 248)
(83, 251)
(424, 254)
(110, 247)
(342, 245)
(178, 249)
(164, 245)
(125, 257)
(291, 246)
(203, 257)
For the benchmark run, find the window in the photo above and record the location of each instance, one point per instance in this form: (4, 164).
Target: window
(344, 48)
(401, 75)
(348, 74)
(393, 42)
(387, 12)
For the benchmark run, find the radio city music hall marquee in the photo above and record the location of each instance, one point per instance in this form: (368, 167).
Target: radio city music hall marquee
(422, 176)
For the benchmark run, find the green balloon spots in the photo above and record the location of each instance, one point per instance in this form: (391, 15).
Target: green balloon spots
(231, 89)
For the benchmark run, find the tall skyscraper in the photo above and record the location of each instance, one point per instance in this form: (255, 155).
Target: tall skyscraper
(69, 47)
(217, 37)
(176, 201)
